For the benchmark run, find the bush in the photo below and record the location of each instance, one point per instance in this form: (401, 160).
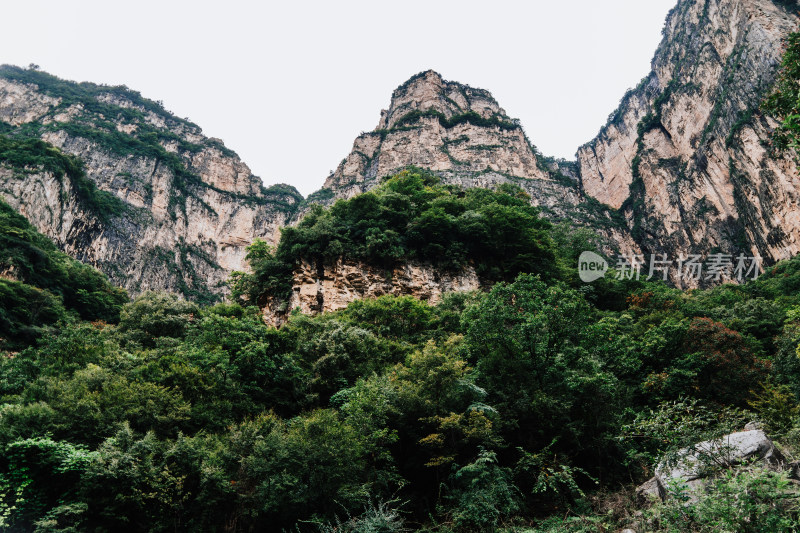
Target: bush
(153, 316)
(752, 500)
(46, 283)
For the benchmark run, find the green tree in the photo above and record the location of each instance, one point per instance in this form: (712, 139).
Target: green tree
(155, 316)
(784, 102)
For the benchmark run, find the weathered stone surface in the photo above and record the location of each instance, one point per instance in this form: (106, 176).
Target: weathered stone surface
(706, 178)
(426, 142)
(329, 287)
(472, 153)
(730, 450)
(650, 491)
(693, 465)
(174, 235)
(692, 132)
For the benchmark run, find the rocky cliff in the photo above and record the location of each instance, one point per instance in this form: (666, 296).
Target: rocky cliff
(321, 287)
(441, 126)
(463, 135)
(682, 166)
(183, 208)
(685, 157)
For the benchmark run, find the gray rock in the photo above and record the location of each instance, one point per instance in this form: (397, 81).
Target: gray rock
(730, 450)
(695, 464)
(650, 491)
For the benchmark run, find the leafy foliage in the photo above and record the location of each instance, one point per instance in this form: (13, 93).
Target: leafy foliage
(45, 284)
(523, 405)
(411, 217)
(746, 501)
(784, 101)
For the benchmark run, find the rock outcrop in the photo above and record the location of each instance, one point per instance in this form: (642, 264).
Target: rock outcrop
(441, 126)
(685, 156)
(190, 206)
(321, 287)
(696, 464)
(464, 136)
(682, 167)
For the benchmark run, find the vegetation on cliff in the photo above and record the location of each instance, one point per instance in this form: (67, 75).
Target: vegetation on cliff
(26, 156)
(411, 216)
(533, 406)
(784, 102)
(150, 163)
(41, 286)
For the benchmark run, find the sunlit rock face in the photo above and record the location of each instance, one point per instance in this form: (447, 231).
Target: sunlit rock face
(683, 161)
(323, 287)
(463, 135)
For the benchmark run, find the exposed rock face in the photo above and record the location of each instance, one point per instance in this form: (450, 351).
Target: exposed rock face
(441, 126)
(464, 136)
(682, 162)
(682, 166)
(691, 465)
(684, 155)
(321, 287)
(191, 206)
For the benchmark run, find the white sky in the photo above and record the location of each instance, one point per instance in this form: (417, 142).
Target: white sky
(289, 85)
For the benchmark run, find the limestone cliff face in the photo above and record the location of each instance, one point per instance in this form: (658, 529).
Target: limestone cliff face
(681, 167)
(323, 287)
(464, 136)
(685, 156)
(441, 126)
(191, 206)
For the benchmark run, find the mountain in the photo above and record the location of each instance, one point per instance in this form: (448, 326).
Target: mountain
(683, 166)
(462, 135)
(120, 183)
(455, 374)
(445, 127)
(683, 162)
(685, 157)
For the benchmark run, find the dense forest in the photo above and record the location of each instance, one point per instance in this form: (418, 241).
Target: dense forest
(534, 405)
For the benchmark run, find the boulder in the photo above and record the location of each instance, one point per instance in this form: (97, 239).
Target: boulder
(694, 464)
(650, 490)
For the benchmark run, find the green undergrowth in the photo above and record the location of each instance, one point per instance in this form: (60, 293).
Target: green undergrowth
(42, 286)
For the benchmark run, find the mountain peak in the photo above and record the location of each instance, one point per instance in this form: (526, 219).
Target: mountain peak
(429, 91)
(441, 125)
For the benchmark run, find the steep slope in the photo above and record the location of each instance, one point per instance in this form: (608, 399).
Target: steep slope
(685, 156)
(683, 166)
(442, 126)
(180, 210)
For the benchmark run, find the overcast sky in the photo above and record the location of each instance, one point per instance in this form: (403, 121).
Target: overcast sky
(289, 85)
